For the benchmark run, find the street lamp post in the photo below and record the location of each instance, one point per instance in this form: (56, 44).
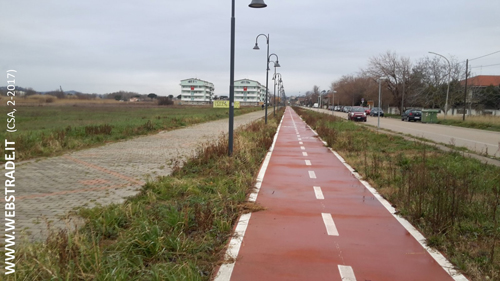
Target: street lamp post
(276, 81)
(256, 47)
(276, 64)
(253, 4)
(333, 99)
(449, 77)
(379, 107)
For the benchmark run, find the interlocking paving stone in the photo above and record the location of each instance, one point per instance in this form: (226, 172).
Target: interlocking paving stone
(48, 189)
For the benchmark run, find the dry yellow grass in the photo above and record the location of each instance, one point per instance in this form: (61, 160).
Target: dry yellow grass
(48, 99)
(487, 119)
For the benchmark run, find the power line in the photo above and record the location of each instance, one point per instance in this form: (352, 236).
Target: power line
(485, 55)
(486, 65)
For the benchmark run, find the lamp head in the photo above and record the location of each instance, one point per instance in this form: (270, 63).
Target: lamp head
(256, 47)
(257, 4)
(277, 64)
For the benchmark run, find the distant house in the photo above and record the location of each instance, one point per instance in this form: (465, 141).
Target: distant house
(475, 101)
(482, 81)
(196, 91)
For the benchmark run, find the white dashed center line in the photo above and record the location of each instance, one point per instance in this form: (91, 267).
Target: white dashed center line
(304, 153)
(308, 162)
(303, 148)
(301, 142)
(312, 174)
(331, 229)
(318, 192)
(346, 273)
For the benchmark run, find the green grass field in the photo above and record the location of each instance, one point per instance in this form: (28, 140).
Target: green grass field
(52, 130)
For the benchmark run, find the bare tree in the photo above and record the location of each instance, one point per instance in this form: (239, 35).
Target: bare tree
(396, 69)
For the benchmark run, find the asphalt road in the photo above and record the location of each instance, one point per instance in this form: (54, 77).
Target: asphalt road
(479, 141)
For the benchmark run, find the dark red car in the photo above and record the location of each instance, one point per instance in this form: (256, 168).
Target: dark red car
(357, 113)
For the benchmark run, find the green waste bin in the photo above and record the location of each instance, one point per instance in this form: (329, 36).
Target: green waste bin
(429, 115)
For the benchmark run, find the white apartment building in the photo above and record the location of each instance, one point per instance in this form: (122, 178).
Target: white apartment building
(196, 91)
(249, 92)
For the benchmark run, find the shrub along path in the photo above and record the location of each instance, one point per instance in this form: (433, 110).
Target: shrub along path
(47, 189)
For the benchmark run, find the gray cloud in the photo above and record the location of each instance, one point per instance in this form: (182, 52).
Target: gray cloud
(149, 46)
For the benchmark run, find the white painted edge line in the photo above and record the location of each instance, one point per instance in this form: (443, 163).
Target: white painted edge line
(308, 162)
(318, 192)
(265, 164)
(304, 153)
(233, 249)
(312, 174)
(226, 269)
(438, 257)
(331, 229)
(346, 273)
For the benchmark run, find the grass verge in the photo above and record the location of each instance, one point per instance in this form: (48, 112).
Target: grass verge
(175, 229)
(49, 131)
(489, 123)
(453, 200)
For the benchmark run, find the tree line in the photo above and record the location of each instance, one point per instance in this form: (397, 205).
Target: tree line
(421, 83)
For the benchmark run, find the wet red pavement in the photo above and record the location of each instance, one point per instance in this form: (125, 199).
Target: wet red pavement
(290, 241)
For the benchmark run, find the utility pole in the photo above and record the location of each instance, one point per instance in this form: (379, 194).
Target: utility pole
(465, 91)
(403, 96)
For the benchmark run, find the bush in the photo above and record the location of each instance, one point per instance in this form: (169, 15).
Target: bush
(165, 101)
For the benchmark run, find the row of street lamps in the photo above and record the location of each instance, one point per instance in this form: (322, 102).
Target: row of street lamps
(279, 83)
(253, 4)
(276, 64)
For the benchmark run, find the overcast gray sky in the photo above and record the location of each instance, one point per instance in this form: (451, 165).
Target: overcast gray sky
(149, 46)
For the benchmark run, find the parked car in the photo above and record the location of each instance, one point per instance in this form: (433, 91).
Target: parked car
(330, 107)
(375, 111)
(316, 105)
(357, 113)
(347, 109)
(412, 115)
(367, 110)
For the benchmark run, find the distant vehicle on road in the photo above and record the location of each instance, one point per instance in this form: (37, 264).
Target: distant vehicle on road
(375, 111)
(412, 115)
(316, 105)
(357, 113)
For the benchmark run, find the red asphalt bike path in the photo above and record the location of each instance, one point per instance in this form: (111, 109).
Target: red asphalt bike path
(322, 223)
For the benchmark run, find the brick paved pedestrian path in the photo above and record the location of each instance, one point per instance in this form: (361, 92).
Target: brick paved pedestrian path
(47, 189)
